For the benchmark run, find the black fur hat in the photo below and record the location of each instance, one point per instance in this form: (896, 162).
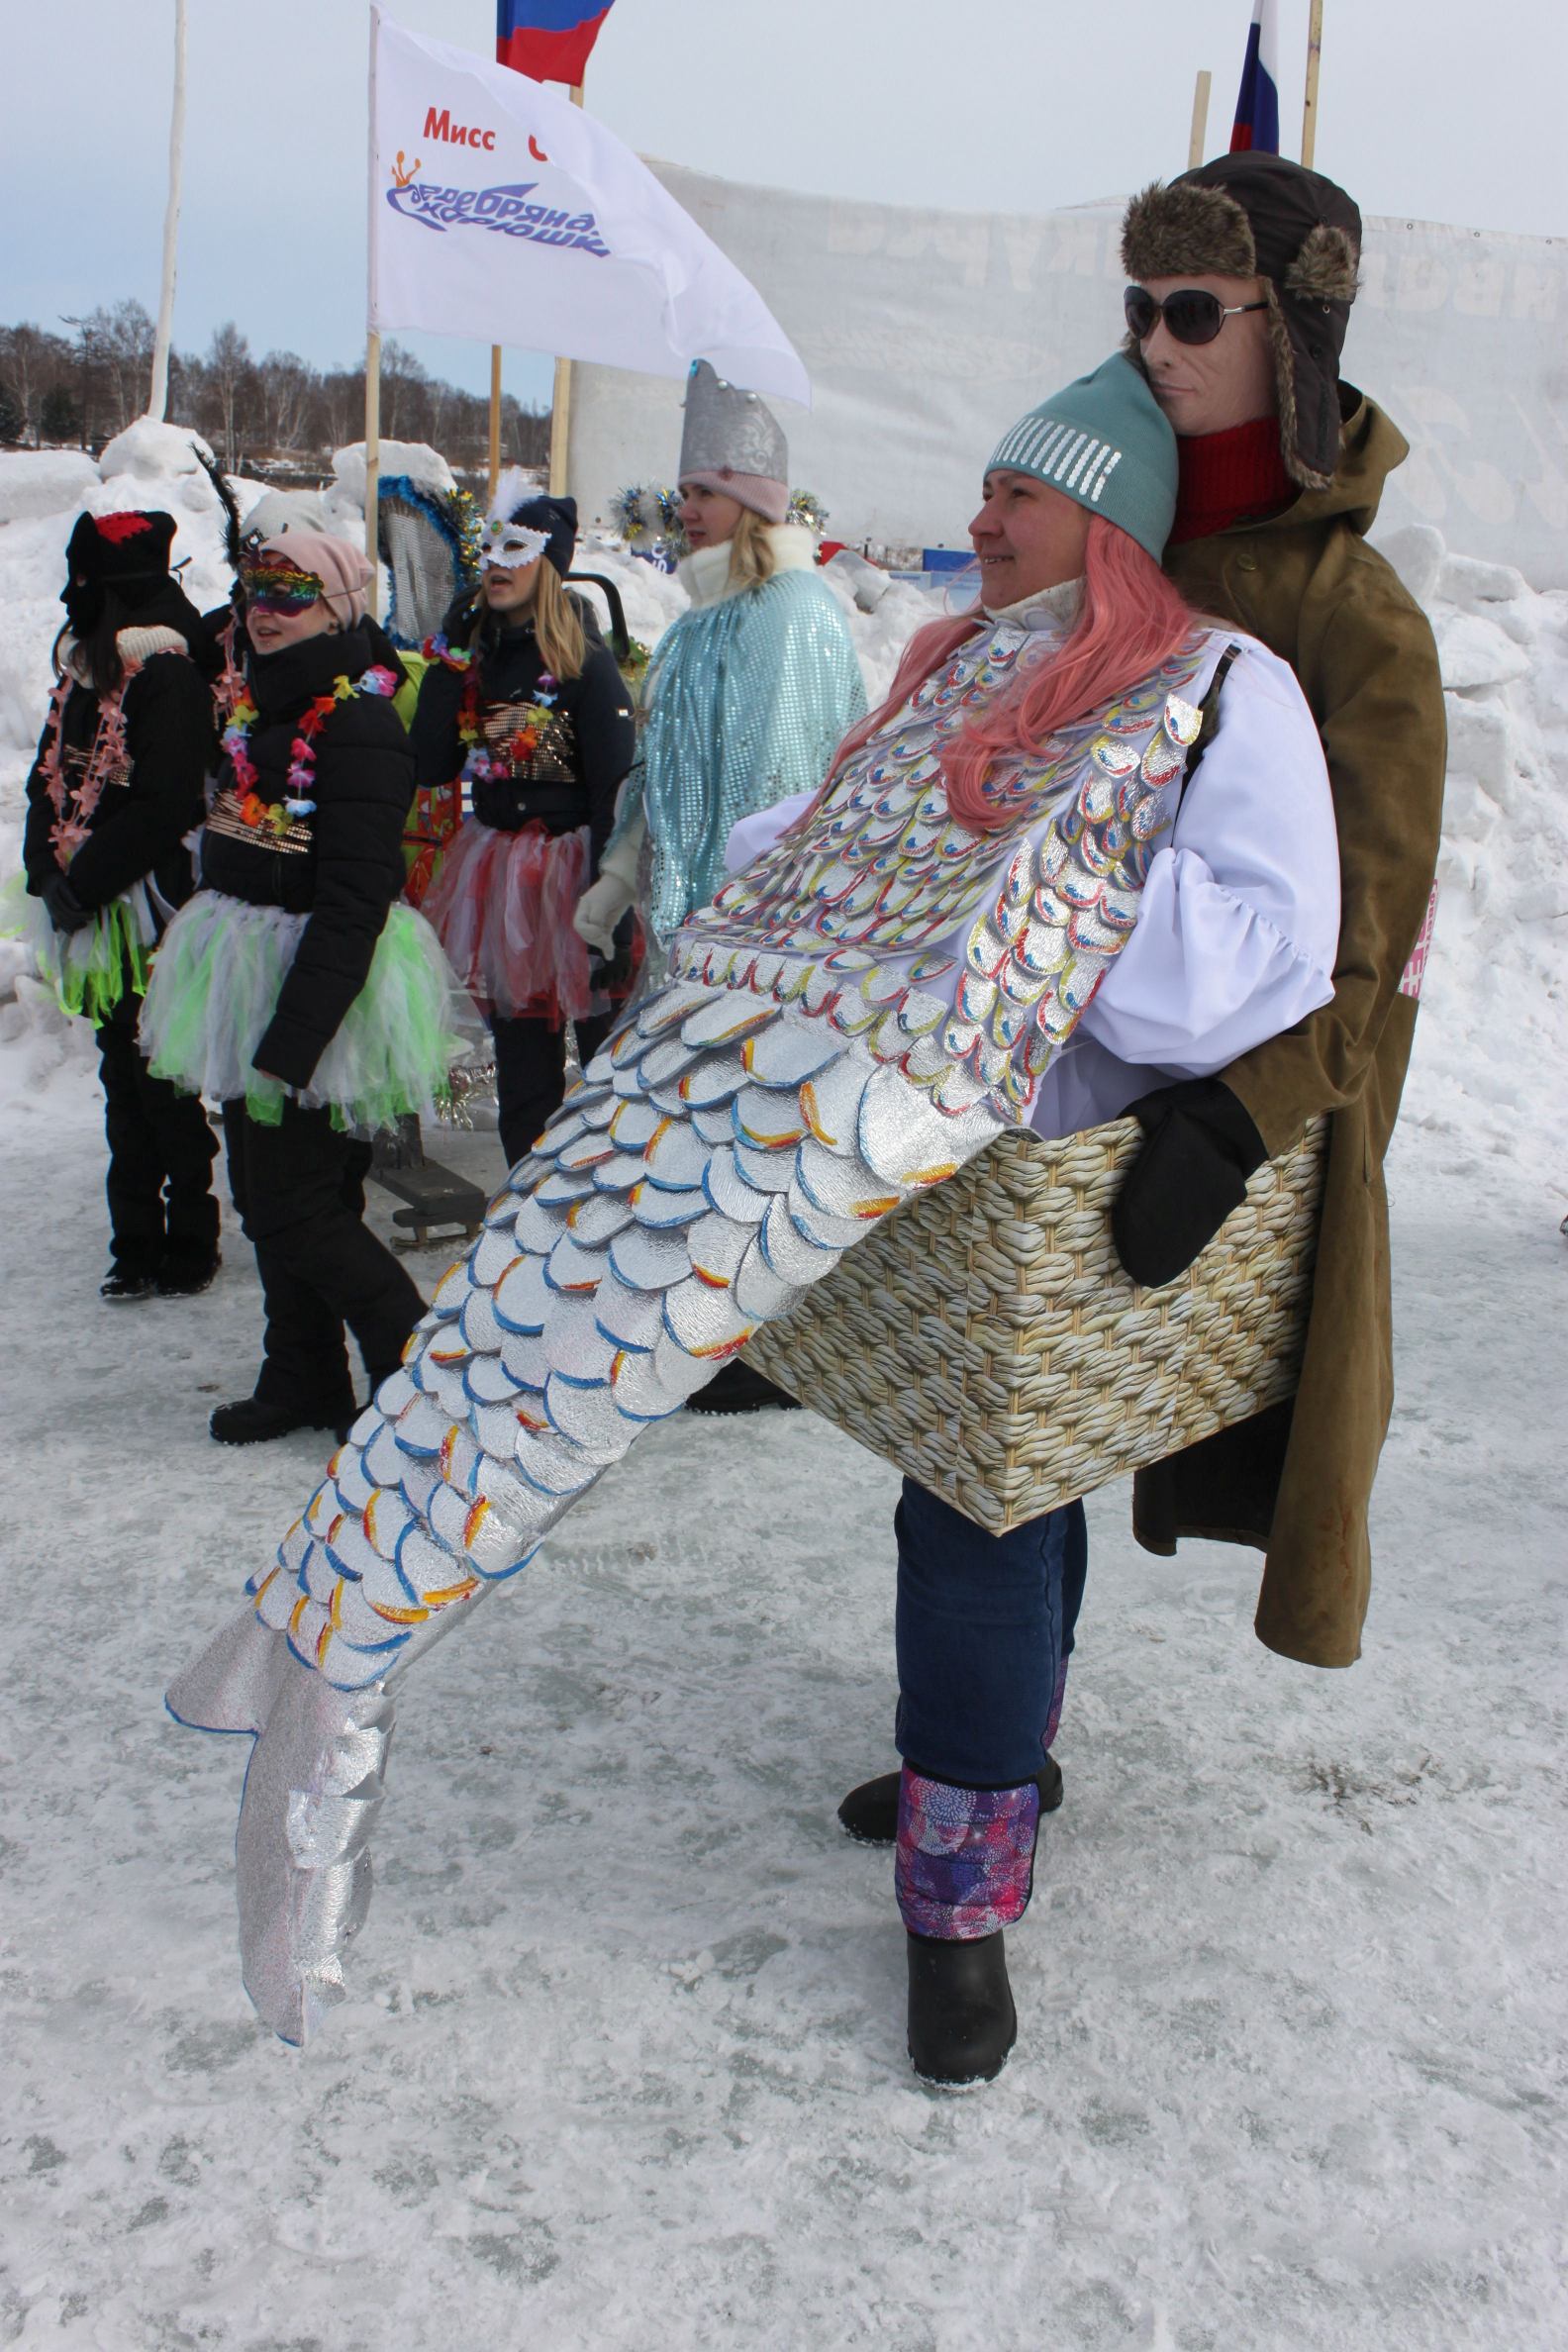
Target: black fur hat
(1254, 214)
(128, 554)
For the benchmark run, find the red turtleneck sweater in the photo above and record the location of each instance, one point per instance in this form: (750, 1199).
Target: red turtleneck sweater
(1235, 476)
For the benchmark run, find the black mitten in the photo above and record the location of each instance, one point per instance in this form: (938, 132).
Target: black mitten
(1199, 1149)
(65, 909)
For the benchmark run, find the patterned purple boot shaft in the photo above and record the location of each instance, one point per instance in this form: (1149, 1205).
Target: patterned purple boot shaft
(966, 1857)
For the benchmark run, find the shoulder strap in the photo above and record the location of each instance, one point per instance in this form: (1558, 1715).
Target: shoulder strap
(1208, 728)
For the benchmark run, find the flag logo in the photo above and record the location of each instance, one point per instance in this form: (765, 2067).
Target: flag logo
(505, 211)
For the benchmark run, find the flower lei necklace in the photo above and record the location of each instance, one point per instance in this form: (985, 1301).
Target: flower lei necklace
(107, 763)
(230, 690)
(484, 763)
(278, 817)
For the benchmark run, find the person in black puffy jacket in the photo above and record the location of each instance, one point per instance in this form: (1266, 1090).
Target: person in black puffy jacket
(116, 786)
(296, 988)
(523, 701)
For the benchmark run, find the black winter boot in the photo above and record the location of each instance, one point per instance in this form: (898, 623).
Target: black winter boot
(186, 1268)
(123, 1283)
(869, 1813)
(961, 2019)
(250, 1420)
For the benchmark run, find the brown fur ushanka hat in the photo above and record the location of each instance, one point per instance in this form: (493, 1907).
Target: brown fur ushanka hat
(1256, 215)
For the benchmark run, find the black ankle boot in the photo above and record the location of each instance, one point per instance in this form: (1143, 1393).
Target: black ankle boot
(250, 1420)
(961, 2018)
(869, 1813)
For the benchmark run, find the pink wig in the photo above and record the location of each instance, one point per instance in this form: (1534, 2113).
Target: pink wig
(1131, 620)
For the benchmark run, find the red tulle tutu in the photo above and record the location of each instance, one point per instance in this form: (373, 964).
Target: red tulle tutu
(502, 906)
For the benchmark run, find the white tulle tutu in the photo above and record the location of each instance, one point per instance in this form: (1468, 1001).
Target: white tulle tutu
(215, 988)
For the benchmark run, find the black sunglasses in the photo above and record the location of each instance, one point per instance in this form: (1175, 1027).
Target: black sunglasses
(1190, 315)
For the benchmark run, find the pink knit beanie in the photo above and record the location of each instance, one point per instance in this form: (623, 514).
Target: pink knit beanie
(768, 499)
(343, 568)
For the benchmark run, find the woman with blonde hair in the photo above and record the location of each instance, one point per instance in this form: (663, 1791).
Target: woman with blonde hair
(746, 699)
(525, 705)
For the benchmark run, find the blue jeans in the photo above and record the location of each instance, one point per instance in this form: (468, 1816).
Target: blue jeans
(984, 1630)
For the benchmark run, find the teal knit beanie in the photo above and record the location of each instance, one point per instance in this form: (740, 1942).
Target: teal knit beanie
(1105, 443)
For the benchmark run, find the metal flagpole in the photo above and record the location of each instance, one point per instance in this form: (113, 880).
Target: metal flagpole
(561, 404)
(1200, 121)
(372, 355)
(158, 398)
(1310, 103)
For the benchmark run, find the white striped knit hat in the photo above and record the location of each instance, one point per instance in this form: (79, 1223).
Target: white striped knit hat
(1106, 443)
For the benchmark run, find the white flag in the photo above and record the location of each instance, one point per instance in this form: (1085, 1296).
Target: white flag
(503, 212)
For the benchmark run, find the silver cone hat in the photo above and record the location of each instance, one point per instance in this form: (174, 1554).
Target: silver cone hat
(727, 429)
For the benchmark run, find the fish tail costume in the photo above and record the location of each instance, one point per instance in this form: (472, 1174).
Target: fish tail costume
(858, 1013)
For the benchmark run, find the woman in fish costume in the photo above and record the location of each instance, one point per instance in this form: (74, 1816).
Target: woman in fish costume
(1007, 905)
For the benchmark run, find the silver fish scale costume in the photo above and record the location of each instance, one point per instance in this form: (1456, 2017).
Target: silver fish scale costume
(816, 1059)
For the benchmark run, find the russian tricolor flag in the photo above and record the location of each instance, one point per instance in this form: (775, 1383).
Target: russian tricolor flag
(548, 40)
(1257, 108)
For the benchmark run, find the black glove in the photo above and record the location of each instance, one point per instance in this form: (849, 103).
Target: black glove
(615, 972)
(462, 613)
(1201, 1148)
(65, 909)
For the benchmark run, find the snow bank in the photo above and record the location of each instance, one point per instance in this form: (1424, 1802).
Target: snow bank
(1492, 1045)
(424, 467)
(43, 482)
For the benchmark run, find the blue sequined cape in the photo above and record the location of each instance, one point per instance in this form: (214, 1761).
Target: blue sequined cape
(747, 700)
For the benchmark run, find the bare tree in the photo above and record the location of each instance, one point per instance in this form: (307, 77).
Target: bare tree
(32, 366)
(122, 343)
(403, 385)
(280, 405)
(285, 386)
(228, 374)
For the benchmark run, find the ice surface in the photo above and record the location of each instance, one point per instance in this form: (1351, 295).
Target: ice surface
(622, 2064)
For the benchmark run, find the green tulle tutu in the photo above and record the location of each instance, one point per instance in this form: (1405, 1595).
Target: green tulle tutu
(89, 970)
(215, 988)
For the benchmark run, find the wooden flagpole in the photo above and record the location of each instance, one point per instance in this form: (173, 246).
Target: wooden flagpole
(1310, 103)
(495, 420)
(560, 403)
(1200, 121)
(372, 437)
(158, 398)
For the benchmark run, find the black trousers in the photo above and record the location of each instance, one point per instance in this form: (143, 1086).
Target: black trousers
(160, 1155)
(530, 1073)
(299, 1187)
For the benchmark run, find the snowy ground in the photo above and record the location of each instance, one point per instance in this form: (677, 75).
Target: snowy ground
(623, 2062)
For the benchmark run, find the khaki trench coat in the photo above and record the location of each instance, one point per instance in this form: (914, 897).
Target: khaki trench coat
(1296, 1480)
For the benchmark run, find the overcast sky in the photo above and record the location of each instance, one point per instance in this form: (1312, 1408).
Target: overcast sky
(1429, 109)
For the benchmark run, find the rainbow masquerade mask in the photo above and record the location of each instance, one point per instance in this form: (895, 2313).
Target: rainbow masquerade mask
(272, 584)
(509, 547)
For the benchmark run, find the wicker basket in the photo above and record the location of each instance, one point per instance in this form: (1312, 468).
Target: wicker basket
(986, 1341)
